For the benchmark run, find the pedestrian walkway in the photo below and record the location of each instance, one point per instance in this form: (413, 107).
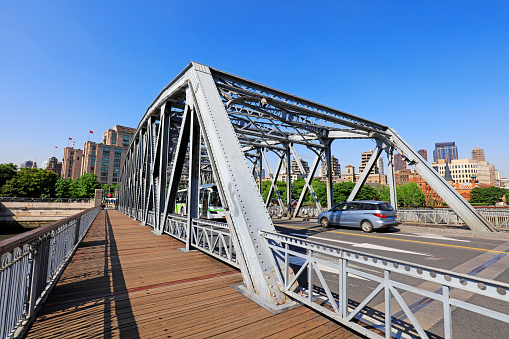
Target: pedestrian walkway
(126, 282)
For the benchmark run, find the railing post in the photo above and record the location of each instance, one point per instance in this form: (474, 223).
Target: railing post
(32, 288)
(388, 309)
(447, 312)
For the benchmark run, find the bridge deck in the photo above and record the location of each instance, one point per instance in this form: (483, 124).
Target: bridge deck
(126, 282)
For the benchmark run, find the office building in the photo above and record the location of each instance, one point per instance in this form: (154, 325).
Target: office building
(105, 159)
(71, 163)
(296, 170)
(27, 164)
(336, 169)
(399, 163)
(446, 151)
(423, 154)
(478, 154)
(463, 170)
(365, 156)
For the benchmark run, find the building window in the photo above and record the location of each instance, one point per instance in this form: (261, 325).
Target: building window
(106, 164)
(93, 152)
(116, 160)
(92, 168)
(104, 174)
(116, 165)
(106, 159)
(118, 153)
(104, 179)
(104, 169)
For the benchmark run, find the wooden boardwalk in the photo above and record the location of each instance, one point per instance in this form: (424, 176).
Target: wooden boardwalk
(126, 282)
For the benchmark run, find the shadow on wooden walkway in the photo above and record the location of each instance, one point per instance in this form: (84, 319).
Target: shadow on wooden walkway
(125, 282)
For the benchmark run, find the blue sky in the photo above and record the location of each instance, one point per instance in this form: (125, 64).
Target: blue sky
(435, 71)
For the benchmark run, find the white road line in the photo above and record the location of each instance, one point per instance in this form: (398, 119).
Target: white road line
(432, 236)
(365, 245)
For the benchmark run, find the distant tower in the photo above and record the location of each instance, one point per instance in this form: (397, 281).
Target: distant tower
(478, 154)
(27, 164)
(399, 163)
(445, 150)
(423, 154)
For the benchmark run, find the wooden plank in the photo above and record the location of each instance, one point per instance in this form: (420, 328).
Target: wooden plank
(126, 282)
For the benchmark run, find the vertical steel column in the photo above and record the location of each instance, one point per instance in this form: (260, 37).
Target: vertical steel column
(288, 182)
(194, 176)
(164, 154)
(260, 169)
(390, 176)
(328, 159)
(273, 186)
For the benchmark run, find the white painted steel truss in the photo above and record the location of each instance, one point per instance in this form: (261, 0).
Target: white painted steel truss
(207, 124)
(394, 312)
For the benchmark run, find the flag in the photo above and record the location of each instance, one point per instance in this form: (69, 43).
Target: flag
(56, 147)
(91, 132)
(70, 138)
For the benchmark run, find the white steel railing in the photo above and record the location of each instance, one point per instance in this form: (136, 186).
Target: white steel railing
(31, 264)
(395, 285)
(208, 236)
(499, 218)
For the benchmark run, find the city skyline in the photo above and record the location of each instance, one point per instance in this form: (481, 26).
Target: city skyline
(423, 69)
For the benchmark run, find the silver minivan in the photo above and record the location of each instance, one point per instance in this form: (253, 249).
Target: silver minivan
(366, 214)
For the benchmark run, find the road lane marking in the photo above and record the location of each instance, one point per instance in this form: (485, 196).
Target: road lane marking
(406, 240)
(364, 245)
(433, 236)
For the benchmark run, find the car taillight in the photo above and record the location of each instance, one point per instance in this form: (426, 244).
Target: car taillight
(380, 215)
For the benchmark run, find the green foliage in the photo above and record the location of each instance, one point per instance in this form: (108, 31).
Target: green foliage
(30, 182)
(410, 194)
(84, 186)
(341, 191)
(63, 188)
(109, 189)
(489, 195)
(7, 172)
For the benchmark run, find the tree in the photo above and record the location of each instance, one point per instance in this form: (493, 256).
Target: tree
(489, 195)
(63, 188)
(85, 186)
(7, 172)
(30, 182)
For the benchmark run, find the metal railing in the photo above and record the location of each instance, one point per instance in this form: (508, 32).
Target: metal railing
(21, 199)
(305, 211)
(392, 282)
(31, 264)
(208, 236)
(499, 218)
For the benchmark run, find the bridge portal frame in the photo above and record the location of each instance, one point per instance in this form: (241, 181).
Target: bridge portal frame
(226, 117)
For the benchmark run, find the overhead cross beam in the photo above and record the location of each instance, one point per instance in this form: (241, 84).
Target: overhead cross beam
(202, 125)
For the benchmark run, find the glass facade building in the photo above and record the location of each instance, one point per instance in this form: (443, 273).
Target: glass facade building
(445, 150)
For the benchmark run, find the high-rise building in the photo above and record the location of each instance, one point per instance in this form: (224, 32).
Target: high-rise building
(423, 154)
(399, 163)
(55, 166)
(296, 169)
(447, 151)
(105, 159)
(336, 169)
(478, 154)
(71, 163)
(27, 164)
(365, 156)
(381, 165)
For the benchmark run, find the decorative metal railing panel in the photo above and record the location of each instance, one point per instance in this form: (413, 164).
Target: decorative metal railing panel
(31, 265)
(444, 216)
(394, 285)
(215, 239)
(208, 236)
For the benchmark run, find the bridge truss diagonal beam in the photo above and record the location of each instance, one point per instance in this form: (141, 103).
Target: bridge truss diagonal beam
(235, 118)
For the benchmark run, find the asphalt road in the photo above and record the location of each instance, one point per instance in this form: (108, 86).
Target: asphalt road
(462, 251)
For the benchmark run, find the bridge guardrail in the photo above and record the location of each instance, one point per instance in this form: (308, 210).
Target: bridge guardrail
(208, 236)
(444, 216)
(446, 287)
(305, 211)
(31, 264)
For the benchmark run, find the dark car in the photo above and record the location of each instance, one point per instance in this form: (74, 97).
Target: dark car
(367, 214)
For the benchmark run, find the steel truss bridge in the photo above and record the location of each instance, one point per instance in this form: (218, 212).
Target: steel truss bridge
(211, 126)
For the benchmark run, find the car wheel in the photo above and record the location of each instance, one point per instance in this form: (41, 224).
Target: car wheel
(325, 223)
(366, 226)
